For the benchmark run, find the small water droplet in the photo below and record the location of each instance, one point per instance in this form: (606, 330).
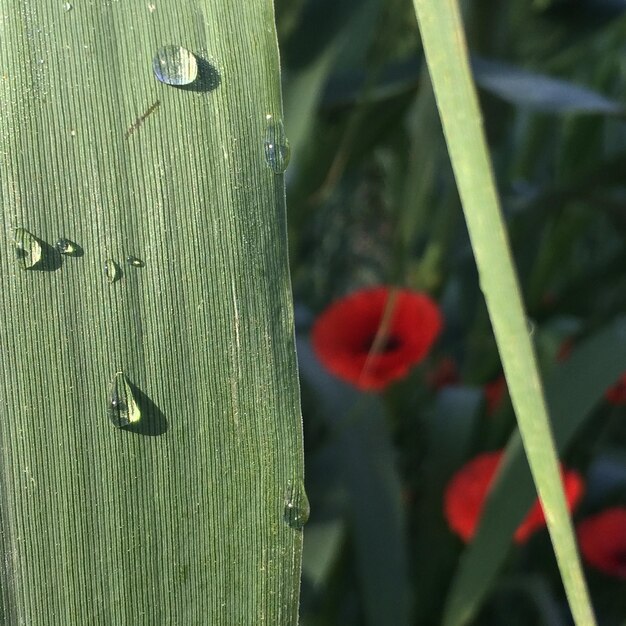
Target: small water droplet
(112, 270)
(67, 247)
(277, 152)
(123, 409)
(134, 261)
(175, 65)
(28, 249)
(297, 507)
(67, 6)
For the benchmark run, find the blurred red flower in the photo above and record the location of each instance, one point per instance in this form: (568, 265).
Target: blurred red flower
(602, 540)
(343, 335)
(467, 492)
(617, 393)
(495, 392)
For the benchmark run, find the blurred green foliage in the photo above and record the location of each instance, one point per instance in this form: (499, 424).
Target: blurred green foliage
(371, 199)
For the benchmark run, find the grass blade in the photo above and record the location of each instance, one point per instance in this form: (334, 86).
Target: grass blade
(447, 58)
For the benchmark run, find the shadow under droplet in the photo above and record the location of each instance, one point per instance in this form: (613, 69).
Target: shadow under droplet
(51, 259)
(208, 78)
(153, 422)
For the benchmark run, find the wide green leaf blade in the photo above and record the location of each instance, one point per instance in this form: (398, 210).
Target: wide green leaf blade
(180, 516)
(446, 54)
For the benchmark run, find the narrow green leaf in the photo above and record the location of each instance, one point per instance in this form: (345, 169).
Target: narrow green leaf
(138, 132)
(446, 54)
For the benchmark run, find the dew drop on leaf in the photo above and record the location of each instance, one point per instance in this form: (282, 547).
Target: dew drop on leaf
(175, 65)
(28, 249)
(123, 409)
(135, 261)
(112, 270)
(297, 508)
(277, 152)
(67, 6)
(67, 247)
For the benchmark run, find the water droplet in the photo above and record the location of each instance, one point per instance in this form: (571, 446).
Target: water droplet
(123, 409)
(67, 6)
(175, 65)
(277, 152)
(297, 507)
(27, 248)
(112, 270)
(135, 261)
(530, 326)
(67, 247)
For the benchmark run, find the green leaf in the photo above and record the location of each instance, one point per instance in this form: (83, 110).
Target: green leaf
(366, 465)
(449, 432)
(446, 54)
(179, 516)
(537, 91)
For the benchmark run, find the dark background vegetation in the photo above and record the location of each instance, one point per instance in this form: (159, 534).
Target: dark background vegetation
(371, 200)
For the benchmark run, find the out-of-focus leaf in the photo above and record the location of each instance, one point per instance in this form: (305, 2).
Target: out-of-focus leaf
(537, 91)
(449, 433)
(377, 517)
(394, 78)
(301, 93)
(509, 82)
(322, 541)
(320, 23)
(372, 485)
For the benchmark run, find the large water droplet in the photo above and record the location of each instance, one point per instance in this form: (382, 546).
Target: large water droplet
(277, 152)
(175, 65)
(297, 507)
(123, 409)
(112, 270)
(27, 248)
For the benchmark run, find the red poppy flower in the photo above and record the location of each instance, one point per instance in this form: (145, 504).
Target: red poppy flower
(494, 394)
(602, 540)
(617, 393)
(466, 494)
(344, 334)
